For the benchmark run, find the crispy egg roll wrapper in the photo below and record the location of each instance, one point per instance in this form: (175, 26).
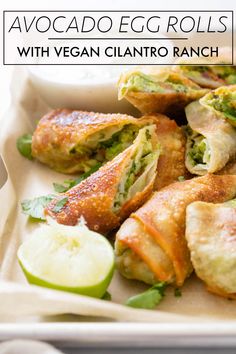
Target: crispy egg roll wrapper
(220, 138)
(229, 169)
(171, 162)
(211, 236)
(161, 220)
(207, 75)
(169, 100)
(62, 130)
(94, 197)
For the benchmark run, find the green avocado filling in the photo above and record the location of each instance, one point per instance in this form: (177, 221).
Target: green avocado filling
(105, 150)
(226, 72)
(145, 156)
(223, 100)
(199, 152)
(140, 82)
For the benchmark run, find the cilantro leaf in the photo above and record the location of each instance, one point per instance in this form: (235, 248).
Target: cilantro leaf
(68, 184)
(35, 207)
(178, 292)
(59, 205)
(149, 298)
(107, 296)
(23, 145)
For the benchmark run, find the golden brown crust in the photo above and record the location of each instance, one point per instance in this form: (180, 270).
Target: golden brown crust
(163, 216)
(94, 197)
(171, 163)
(59, 131)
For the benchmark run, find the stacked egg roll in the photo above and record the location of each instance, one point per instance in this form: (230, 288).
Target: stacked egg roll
(211, 142)
(211, 236)
(154, 90)
(209, 72)
(151, 245)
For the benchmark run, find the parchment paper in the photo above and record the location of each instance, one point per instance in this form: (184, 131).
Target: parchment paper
(28, 179)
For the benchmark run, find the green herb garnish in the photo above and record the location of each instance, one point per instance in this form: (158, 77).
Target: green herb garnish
(148, 299)
(35, 207)
(59, 205)
(178, 292)
(23, 145)
(68, 184)
(107, 296)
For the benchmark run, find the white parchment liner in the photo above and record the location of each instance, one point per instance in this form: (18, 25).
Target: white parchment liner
(28, 179)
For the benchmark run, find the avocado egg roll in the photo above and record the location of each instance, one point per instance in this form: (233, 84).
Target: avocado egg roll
(150, 245)
(119, 187)
(208, 76)
(222, 102)
(75, 141)
(211, 141)
(162, 91)
(171, 162)
(211, 236)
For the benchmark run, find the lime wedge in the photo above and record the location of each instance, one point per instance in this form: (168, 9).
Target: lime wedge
(68, 258)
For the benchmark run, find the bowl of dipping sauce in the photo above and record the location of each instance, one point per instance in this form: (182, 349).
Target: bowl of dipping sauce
(86, 87)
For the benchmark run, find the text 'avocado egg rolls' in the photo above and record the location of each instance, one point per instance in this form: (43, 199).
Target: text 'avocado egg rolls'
(211, 141)
(151, 245)
(161, 91)
(119, 187)
(211, 236)
(75, 141)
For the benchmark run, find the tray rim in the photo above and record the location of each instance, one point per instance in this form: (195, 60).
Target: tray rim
(126, 335)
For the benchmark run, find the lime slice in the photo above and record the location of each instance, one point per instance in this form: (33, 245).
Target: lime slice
(68, 258)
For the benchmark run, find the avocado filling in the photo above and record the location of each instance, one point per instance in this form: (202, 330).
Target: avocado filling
(140, 169)
(199, 151)
(223, 100)
(140, 82)
(227, 73)
(105, 149)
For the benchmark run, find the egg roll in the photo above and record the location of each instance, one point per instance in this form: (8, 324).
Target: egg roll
(211, 237)
(207, 75)
(171, 162)
(75, 141)
(119, 187)
(229, 169)
(211, 141)
(222, 102)
(150, 245)
(162, 91)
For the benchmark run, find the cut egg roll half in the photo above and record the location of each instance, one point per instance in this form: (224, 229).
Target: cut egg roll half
(211, 141)
(119, 187)
(222, 102)
(211, 236)
(209, 73)
(163, 91)
(76, 141)
(150, 245)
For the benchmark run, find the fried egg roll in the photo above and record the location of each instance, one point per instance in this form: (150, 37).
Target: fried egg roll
(162, 91)
(119, 187)
(75, 141)
(211, 236)
(207, 75)
(211, 142)
(222, 102)
(150, 245)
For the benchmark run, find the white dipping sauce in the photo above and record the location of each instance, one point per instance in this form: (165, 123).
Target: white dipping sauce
(84, 87)
(91, 88)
